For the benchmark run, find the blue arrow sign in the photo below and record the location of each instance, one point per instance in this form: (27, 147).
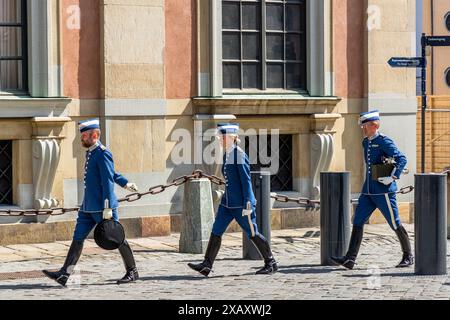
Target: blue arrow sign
(438, 41)
(405, 62)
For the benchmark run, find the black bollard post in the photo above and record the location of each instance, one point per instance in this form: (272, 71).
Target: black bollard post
(334, 215)
(261, 188)
(430, 224)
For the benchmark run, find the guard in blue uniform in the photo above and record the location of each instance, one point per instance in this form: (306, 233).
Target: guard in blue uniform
(378, 192)
(99, 202)
(238, 202)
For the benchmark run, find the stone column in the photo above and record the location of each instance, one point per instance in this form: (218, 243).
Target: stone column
(198, 216)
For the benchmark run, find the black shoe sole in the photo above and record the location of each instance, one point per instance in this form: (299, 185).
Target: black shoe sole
(348, 267)
(266, 273)
(274, 270)
(340, 263)
(125, 282)
(205, 272)
(56, 280)
(404, 265)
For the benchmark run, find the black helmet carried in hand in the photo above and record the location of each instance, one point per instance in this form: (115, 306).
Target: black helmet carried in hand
(109, 234)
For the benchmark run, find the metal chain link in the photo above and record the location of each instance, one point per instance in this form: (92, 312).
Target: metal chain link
(315, 204)
(308, 203)
(197, 174)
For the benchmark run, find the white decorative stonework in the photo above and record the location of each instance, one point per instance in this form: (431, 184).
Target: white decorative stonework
(321, 155)
(322, 147)
(46, 153)
(46, 139)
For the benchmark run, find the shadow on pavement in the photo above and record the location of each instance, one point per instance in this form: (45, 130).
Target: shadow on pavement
(154, 251)
(28, 287)
(405, 274)
(308, 269)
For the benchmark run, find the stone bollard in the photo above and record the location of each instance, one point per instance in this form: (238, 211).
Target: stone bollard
(448, 204)
(430, 225)
(198, 216)
(334, 215)
(261, 188)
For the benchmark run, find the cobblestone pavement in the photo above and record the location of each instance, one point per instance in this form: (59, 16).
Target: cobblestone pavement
(165, 275)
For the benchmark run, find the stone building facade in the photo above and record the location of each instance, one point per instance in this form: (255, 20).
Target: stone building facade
(147, 68)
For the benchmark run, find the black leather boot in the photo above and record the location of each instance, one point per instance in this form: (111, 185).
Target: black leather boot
(211, 253)
(349, 259)
(263, 246)
(407, 259)
(130, 265)
(73, 255)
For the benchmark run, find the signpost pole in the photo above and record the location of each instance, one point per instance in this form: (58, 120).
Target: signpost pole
(424, 99)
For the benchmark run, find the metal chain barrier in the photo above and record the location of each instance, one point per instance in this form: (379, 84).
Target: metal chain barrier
(304, 202)
(315, 204)
(197, 174)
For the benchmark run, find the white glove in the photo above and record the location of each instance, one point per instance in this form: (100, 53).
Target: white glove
(248, 211)
(107, 214)
(386, 180)
(131, 187)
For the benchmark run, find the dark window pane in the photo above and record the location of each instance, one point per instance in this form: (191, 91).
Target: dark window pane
(261, 145)
(230, 16)
(447, 21)
(251, 46)
(10, 11)
(251, 16)
(295, 76)
(293, 18)
(231, 45)
(274, 47)
(275, 76)
(11, 75)
(274, 17)
(231, 76)
(6, 173)
(447, 76)
(293, 47)
(10, 42)
(252, 75)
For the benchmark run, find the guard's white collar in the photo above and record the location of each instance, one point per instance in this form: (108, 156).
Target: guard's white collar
(374, 136)
(94, 146)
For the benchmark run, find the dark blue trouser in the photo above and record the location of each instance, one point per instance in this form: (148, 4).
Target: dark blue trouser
(225, 216)
(386, 203)
(87, 221)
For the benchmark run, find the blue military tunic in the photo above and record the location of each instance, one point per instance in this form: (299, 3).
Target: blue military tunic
(238, 193)
(99, 179)
(375, 194)
(238, 185)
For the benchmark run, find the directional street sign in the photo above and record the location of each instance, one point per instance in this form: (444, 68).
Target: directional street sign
(405, 62)
(438, 41)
